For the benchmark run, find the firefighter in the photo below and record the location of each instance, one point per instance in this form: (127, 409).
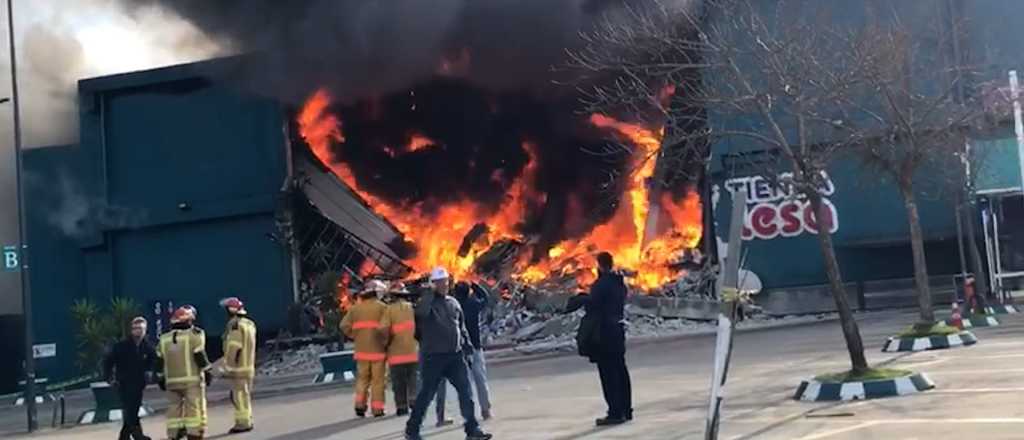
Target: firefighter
(193, 317)
(239, 361)
(184, 374)
(400, 324)
(362, 324)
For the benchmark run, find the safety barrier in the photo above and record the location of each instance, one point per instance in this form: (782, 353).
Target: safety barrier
(336, 366)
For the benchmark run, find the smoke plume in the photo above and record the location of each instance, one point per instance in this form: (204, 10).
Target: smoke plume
(58, 43)
(360, 48)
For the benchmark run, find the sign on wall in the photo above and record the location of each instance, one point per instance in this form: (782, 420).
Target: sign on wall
(774, 212)
(40, 351)
(160, 317)
(12, 261)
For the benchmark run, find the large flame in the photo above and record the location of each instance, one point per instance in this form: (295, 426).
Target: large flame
(439, 233)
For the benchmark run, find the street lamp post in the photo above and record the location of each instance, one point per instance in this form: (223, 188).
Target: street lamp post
(26, 297)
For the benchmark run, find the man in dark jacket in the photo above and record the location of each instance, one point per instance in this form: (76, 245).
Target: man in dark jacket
(444, 345)
(605, 311)
(126, 368)
(473, 300)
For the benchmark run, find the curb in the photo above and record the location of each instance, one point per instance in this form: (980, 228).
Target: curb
(1006, 309)
(895, 344)
(982, 321)
(814, 391)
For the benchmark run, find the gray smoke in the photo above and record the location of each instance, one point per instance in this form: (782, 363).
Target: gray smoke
(78, 215)
(59, 43)
(360, 48)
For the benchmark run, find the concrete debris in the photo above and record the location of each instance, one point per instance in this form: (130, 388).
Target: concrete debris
(300, 360)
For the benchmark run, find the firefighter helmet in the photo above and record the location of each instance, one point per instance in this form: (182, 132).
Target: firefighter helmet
(398, 288)
(191, 310)
(234, 305)
(182, 314)
(375, 287)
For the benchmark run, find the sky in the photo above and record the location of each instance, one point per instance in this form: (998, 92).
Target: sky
(58, 43)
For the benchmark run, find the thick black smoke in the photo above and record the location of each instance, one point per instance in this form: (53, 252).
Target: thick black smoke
(360, 47)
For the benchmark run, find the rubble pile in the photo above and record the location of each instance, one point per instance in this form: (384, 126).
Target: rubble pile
(300, 360)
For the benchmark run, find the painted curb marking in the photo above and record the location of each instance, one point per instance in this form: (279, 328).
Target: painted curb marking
(983, 321)
(40, 399)
(1006, 309)
(110, 415)
(895, 344)
(815, 391)
(347, 376)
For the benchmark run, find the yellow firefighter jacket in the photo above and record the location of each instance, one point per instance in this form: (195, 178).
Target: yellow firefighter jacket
(400, 324)
(184, 357)
(362, 324)
(240, 348)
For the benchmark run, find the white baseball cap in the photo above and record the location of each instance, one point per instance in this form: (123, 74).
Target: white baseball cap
(438, 273)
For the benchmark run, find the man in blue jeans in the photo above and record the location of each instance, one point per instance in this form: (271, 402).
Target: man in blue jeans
(445, 345)
(473, 300)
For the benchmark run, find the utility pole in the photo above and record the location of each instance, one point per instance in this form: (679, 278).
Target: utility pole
(729, 296)
(26, 295)
(1018, 120)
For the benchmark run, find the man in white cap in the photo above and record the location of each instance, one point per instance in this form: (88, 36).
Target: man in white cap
(444, 345)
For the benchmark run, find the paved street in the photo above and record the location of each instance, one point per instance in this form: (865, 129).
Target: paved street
(979, 396)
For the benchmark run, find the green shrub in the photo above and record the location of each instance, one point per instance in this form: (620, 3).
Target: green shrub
(97, 328)
(924, 331)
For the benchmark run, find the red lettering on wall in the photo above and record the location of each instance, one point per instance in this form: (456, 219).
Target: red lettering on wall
(790, 214)
(763, 221)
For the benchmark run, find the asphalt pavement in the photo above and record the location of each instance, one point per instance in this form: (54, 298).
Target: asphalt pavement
(979, 394)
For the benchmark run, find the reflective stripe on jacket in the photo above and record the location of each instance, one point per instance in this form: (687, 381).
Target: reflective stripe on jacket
(362, 324)
(178, 348)
(240, 348)
(400, 322)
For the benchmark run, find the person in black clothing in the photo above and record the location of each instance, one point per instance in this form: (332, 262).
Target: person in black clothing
(605, 344)
(126, 367)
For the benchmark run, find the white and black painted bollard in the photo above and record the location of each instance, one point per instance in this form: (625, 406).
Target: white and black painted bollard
(108, 406)
(336, 366)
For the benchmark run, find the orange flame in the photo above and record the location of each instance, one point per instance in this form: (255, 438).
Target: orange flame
(344, 296)
(419, 142)
(438, 233)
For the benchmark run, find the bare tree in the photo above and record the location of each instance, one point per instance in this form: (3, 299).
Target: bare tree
(771, 78)
(915, 119)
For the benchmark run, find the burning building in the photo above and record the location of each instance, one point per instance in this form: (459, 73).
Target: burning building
(505, 185)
